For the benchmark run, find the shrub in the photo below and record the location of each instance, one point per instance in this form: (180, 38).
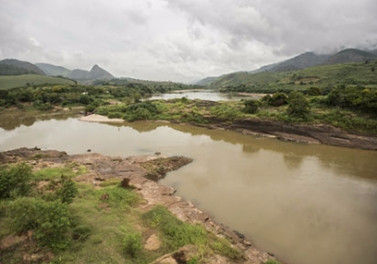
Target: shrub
(251, 106)
(225, 111)
(313, 91)
(49, 219)
(132, 243)
(15, 181)
(277, 99)
(68, 191)
(298, 106)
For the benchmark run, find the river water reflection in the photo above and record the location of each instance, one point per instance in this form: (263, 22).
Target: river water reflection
(305, 203)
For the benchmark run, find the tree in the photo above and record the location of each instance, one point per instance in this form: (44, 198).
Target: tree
(298, 106)
(251, 106)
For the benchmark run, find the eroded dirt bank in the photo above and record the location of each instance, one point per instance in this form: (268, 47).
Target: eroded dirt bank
(133, 171)
(314, 134)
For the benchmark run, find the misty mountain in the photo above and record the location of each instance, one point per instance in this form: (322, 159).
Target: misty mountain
(96, 73)
(351, 55)
(303, 61)
(16, 67)
(53, 70)
(206, 81)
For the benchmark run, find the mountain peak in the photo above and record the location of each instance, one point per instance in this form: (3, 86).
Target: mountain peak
(98, 73)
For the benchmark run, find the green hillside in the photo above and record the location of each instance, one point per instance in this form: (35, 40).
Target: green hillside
(323, 77)
(8, 82)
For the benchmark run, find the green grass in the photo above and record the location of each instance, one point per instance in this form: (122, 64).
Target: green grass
(175, 234)
(9, 82)
(57, 172)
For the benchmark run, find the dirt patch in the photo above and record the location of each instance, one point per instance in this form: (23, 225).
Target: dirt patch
(100, 119)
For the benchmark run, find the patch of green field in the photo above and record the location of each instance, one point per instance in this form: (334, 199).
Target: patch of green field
(9, 82)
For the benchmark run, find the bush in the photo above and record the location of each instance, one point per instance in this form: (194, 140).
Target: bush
(251, 106)
(68, 191)
(15, 181)
(298, 106)
(225, 111)
(132, 243)
(277, 99)
(49, 220)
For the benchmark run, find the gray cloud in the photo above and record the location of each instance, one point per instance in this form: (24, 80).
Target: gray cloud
(180, 40)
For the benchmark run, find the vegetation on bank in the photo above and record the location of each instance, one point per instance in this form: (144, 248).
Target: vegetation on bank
(342, 95)
(45, 216)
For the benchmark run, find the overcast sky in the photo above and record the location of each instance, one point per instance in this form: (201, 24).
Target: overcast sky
(180, 40)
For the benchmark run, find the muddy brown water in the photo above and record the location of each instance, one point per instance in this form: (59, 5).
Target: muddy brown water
(304, 203)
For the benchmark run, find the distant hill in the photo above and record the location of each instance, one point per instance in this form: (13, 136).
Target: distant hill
(302, 61)
(351, 55)
(9, 82)
(96, 73)
(16, 67)
(321, 76)
(206, 81)
(53, 70)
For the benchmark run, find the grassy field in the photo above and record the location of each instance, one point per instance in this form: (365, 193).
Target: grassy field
(320, 76)
(9, 82)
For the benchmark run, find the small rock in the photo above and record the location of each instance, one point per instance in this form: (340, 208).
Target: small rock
(240, 235)
(157, 153)
(88, 150)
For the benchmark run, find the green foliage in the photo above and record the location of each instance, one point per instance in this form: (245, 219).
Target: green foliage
(81, 232)
(251, 106)
(49, 219)
(314, 91)
(15, 181)
(68, 190)
(298, 106)
(141, 111)
(271, 261)
(223, 247)
(225, 111)
(56, 173)
(132, 243)
(175, 233)
(353, 97)
(118, 196)
(277, 99)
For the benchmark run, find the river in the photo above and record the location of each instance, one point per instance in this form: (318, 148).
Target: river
(305, 203)
(205, 95)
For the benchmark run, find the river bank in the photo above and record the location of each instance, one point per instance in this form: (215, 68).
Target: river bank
(300, 133)
(133, 173)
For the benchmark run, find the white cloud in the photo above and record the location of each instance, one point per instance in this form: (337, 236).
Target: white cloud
(179, 40)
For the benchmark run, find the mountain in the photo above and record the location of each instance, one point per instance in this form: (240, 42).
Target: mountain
(53, 70)
(16, 67)
(206, 81)
(351, 55)
(302, 61)
(96, 73)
